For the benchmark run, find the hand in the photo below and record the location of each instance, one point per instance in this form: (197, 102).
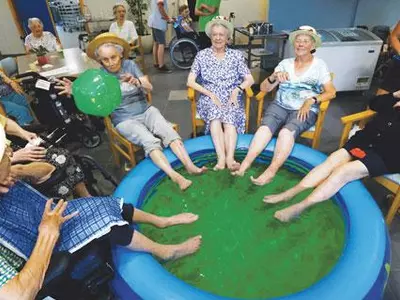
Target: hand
(396, 94)
(53, 219)
(64, 86)
(234, 97)
(280, 76)
(16, 87)
(215, 99)
(29, 154)
(304, 111)
(397, 105)
(129, 78)
(28, 136)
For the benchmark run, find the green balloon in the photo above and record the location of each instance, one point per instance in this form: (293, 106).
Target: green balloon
(96, 93)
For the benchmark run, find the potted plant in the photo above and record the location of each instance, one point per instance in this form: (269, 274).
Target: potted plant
(41, 55)
(138, 9)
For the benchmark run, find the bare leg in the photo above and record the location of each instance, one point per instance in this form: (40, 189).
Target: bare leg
(346, 173)
(140, 216)
(81, 190)
(167, 252)
(258, 144)
(160, 55)
(284, 146)
(161, 161)
(217, 136)
(155, 53)
(315, 177)
(230, 137)
(179, 150)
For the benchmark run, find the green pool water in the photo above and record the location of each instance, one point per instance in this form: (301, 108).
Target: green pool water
(246, 253)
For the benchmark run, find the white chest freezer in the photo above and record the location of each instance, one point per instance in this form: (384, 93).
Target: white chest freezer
(350, 53)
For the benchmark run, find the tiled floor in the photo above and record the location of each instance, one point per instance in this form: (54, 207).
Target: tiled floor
(345, 103)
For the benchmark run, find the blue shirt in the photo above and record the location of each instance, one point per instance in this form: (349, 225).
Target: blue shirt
(133, 100)
(155, 18)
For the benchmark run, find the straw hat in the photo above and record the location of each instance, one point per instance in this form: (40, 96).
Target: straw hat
(106, 38)
(220, 20)
(307, 30)
(3, 142)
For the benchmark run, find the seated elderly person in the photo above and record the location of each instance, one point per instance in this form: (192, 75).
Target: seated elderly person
(123, 28)
(38, 37)
(221, 75)
(135, 119)
(373, 151)
(304, 82)
(13, 100)
(33, 229)
(60, 175)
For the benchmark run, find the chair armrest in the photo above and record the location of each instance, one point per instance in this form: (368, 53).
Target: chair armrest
(260, 96)
(324, 105)
(249, 92)
(191, 94)
(364, 115)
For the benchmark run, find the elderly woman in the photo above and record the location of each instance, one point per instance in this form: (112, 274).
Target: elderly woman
(221, 75)
(123, 28)
(139, 122)
(13, 100)
(33, 229)
(38, 37)
(373, 151)
(304, 82)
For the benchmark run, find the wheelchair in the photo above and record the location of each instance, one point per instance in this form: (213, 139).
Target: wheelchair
(183, 49)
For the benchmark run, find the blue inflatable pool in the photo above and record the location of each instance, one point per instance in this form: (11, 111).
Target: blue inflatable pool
(360, 273)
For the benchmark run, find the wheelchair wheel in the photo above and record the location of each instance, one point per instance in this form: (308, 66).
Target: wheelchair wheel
(183, 52)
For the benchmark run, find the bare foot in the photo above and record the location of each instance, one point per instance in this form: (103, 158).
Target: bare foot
(271, 199)
(264, 178)
(233, 166)
(182, 182)
(173, 252)
(184, 218)
(194, 170)
(287, 214)
(239, 172)
(219, 167)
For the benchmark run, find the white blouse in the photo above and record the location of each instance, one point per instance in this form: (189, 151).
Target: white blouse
(127, 31)
(47, 40)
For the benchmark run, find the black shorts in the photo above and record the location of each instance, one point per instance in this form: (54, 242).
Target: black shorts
(368, 156)
(391, 82)
(122, 235)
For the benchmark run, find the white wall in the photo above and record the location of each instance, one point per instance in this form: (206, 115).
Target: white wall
(9, 35)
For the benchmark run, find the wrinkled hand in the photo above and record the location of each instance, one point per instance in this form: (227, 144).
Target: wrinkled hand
(6, 183)
(53, 219)
(129, 78)
(281, 76)
(304, 111)
(396, 94)
(215, 99)
(234, 98)
(16, 87)
(28, 136)
(29, 154)
(64, 86)
(397, 104)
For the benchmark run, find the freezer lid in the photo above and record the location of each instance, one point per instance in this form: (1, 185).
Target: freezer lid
(353, 35)
(326, 36)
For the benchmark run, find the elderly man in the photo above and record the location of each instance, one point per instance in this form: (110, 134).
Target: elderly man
(33, 228)
(38, 37)
(135, 119)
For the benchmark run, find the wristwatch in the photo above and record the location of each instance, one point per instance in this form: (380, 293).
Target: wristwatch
(271, 81)
(240, 88)
(315, 99)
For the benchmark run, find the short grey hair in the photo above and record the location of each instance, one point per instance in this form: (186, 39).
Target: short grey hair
(119, 48)
(33, 20)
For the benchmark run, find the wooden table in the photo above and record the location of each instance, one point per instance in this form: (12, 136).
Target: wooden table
(69, 62)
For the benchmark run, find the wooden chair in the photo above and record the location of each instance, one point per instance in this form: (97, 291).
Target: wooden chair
(140, 57)
(314, 133)
(391, 182)
(120, 145)
(198, 122)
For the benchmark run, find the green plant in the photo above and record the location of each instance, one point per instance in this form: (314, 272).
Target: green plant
(138, 10)
(39, 51)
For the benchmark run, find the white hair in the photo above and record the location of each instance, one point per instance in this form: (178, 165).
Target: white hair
(33, 20)
(119, 48)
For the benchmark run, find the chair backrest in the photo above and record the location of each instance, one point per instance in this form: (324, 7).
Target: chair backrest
(9, 66)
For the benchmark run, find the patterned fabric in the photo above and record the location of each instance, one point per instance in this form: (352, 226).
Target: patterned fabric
(21, 211)
(221, 77)
(180, 22)
(155, 18)
(47, 40)
(5, 89)
(10, 265)
(292, 93)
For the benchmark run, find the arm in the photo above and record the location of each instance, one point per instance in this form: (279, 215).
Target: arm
(12, 128)
(210, 9)
(133, 34)
(191, 82)
(13, 84)
(394, 38)
(145, 83)
(199, 12)
(29, 281)
(329, 92)
(383, 103)
(163, 13)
